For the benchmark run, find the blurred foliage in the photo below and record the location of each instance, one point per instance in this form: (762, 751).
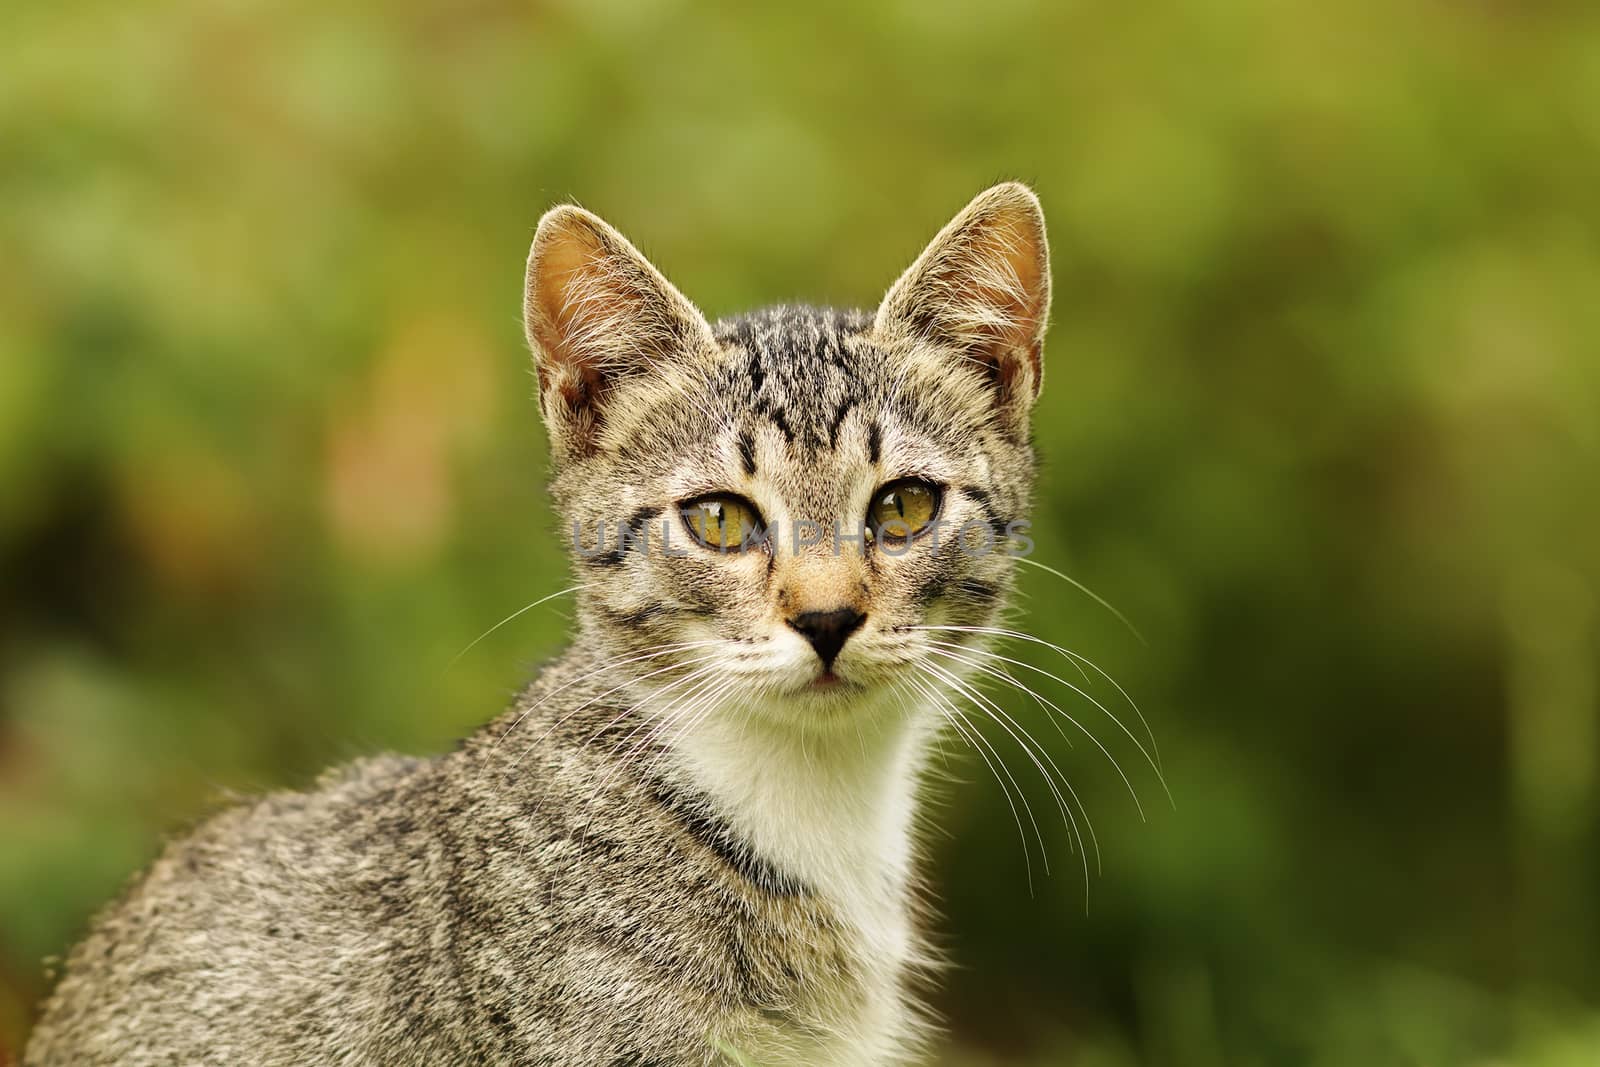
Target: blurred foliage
(1322, 415)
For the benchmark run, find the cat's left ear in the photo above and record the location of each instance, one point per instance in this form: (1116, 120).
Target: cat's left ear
(980, 292)
(600, 317)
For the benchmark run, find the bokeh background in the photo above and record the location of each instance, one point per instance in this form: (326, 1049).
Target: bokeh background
(1322, 417)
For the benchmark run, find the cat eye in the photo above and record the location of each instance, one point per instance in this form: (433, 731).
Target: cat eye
(723, 522)
(903, 509)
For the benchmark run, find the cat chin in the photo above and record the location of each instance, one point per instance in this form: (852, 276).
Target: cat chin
(842, 705)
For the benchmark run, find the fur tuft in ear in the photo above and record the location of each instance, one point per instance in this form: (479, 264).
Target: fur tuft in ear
(597, 313)
(981, 292)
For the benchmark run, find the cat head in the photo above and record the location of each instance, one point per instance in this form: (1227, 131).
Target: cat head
(795, 508)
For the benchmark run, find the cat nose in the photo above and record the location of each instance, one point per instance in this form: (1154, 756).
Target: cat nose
(828, 630)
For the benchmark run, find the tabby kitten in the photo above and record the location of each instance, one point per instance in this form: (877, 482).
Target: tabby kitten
(689, 841)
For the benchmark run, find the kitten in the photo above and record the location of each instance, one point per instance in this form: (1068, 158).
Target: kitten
(690, 840)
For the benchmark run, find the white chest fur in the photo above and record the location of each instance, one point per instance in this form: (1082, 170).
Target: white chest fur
(833, 809)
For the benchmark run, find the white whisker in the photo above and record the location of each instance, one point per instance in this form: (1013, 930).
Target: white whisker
(592, 700)
(1023, 738)
(1086, 591)
(1074, 658)
(979, 744)
(941, 647)
(515, 614)
(653, 652)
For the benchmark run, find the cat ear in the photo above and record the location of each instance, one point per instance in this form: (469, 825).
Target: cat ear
(596, 313)
(981, 292)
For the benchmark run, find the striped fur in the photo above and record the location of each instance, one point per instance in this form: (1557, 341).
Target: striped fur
(677, 844)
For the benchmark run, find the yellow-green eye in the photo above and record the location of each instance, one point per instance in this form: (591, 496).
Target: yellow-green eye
(903, 509)
(725, 523)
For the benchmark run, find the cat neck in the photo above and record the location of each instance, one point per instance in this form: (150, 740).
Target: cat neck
(832, 809)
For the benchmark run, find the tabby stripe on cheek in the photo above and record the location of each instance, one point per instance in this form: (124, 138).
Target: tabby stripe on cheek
(934, 588)
(637, 520)
(980, 591)
(635, 536)
(1001, 527)
(635, 619)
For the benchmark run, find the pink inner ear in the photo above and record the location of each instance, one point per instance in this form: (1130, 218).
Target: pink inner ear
(1004, 263)
(1011, 248)
(982, 287)
(597, 313)
(563, 287)
(567, 301)
(573, 394)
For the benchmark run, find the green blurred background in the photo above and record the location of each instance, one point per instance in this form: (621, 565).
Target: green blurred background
(1322, 415)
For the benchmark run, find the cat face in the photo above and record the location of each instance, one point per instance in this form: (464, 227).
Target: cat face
(781, 511)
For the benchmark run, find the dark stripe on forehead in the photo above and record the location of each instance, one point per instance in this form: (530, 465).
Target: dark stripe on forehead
(874, 442)
(838, 420)
(781, 422)
(830, 345)
(747, 452)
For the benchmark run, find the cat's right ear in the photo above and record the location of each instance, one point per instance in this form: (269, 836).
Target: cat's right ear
(980, 293)
(597, 314)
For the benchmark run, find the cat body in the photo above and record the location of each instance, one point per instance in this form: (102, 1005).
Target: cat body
(509, 902)
(691, 840)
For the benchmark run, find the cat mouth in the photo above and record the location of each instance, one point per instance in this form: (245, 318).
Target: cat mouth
(826, 680)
